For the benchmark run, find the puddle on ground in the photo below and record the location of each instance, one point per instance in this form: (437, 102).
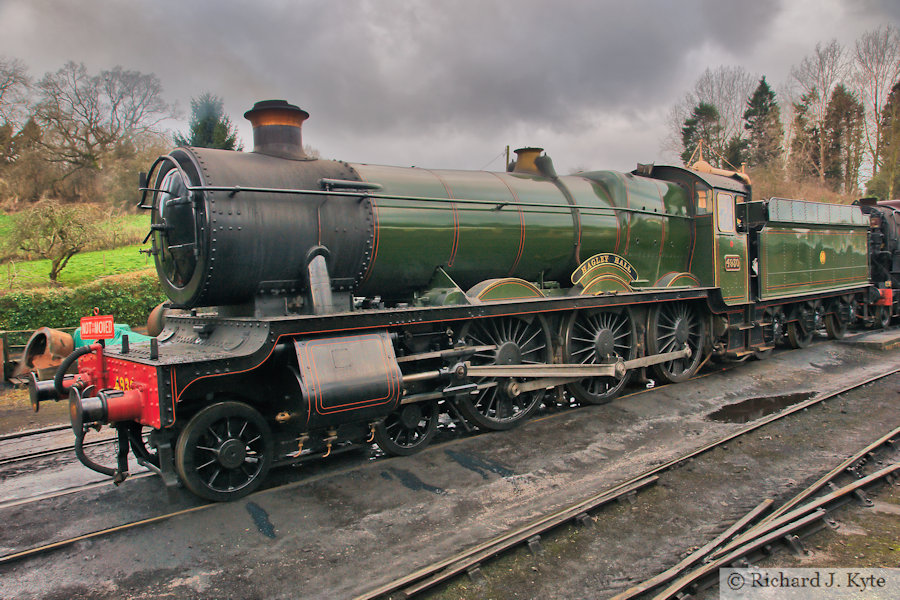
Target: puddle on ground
(756, 408)
(261, 519)
(479, 465)
(412, 482)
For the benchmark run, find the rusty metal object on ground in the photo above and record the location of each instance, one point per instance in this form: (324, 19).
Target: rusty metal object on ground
(46, 349)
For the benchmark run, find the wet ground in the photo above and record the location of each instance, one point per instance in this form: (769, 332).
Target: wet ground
(16, 413)
(343, 526)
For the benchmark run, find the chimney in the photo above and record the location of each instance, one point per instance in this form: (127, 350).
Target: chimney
(525, 160)
(277, 129)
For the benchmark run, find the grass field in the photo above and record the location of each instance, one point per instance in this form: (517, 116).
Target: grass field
(6, 226)
(85, 266)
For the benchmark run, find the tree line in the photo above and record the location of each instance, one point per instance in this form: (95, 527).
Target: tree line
(73, 135)
(837, 124)
(71, 145)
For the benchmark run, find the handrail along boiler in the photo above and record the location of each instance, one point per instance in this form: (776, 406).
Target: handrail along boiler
(316, 302)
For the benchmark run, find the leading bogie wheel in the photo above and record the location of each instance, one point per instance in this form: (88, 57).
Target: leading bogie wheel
(599, 336)
(408, 429)
(516, 341)
(671, 326)
(224, 451)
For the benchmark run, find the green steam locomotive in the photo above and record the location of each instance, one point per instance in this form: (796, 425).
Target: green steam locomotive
(316, 303)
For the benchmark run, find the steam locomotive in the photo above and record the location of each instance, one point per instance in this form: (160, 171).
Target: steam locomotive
(317, 302)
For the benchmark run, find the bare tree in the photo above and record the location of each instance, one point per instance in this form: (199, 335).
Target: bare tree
(877, 68)
(85, 117)
(817, 75)
(726, 88)
(14, 84)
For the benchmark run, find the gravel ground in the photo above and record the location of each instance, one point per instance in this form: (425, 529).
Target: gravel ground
(635, 540)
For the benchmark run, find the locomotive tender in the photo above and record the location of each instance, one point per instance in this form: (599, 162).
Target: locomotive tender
(323, 302)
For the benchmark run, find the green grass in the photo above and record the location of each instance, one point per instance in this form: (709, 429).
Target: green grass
(115, 252)
(84, 267)
(6, 226)
(123, 229)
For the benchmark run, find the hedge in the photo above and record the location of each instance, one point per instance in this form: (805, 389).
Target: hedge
(129, 298)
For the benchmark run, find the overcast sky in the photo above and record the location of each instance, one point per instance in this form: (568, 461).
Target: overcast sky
(445, 83)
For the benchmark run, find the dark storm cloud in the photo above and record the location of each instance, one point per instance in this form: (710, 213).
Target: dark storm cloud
(396, 65)
(399, 65)
(406, 81)
(889, 9)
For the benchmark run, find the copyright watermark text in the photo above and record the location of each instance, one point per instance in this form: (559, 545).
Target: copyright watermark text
(825, 583)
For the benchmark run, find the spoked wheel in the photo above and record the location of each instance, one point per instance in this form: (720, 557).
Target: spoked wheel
(224, 452)
(671, 326)
(408, 429)
(597, 336)
(837, 321)
(518, 342)
(882, 317)
(800, 332)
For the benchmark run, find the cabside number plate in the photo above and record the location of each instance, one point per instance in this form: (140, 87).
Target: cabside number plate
(732, 262)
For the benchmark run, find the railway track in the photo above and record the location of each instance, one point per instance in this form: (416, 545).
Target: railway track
(39, 443)
(5, 460)
(443, 570)
(33, 432)
(800, 515)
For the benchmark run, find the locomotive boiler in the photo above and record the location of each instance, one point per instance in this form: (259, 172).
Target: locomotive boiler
(382, 231)
(317, 303)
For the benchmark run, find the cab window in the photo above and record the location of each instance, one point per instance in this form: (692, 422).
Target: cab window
(725, 212)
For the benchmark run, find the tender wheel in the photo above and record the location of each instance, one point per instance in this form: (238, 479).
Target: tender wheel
(800, 332)
(837, 321)
(518, 341)
(882, 317)
(224, 451)
(773, 333)
(408, 429)
(597, 336)
(671, 326)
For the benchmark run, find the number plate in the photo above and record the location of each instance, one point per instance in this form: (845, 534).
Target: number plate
(732, 262)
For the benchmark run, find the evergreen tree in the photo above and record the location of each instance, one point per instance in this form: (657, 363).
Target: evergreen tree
(844, 140)
(703, 124)
(804, 160)
(886, 182)
(763, 124)
(29, 174)
(736, 152)
(210, 127)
